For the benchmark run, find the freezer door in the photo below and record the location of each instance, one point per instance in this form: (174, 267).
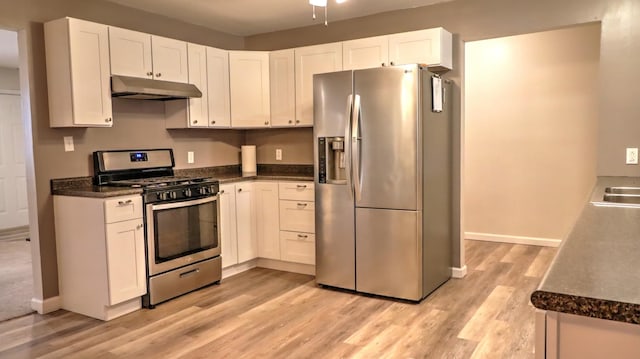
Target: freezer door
(389, 253)
(335, 223)
(387, 138)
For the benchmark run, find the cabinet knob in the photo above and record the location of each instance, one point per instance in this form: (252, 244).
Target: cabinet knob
(213, 122)
(290, 121)
(297, 121)
(383, 64)
(107, 120)
(138, 227)
(195, 121)
(158, 74)
(239, 189)
(221, 191)
(149, 73)
(392, 63)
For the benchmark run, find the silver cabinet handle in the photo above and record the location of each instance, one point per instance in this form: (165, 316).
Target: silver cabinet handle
(158, 74)
(302, 205)
(303, 236)
(125, 203)
(193, 271)
(150, 73)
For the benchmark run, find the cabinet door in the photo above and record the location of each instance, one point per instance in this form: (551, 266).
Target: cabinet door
(218, 88)
(365, 53)
(169, 59)
(125, 260)
(267, 219)
(198, 107)
(130, 53)
(297, 216)
(431, 47)
(309, 61)
(282, 84)
(246, 223)
(249, 83)
(229, 240)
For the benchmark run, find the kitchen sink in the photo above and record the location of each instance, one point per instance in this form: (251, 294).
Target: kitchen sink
(623, 190)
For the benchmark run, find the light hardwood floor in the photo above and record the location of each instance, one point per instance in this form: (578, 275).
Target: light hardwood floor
(269, 314)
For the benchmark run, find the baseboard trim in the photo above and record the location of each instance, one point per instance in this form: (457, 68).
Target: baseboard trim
(239, 268)
(459, 272)
(533, 241)
(287, 266)
(47, 305)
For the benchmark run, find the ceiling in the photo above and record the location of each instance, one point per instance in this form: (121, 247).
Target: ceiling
(9, 49)
(250, 17)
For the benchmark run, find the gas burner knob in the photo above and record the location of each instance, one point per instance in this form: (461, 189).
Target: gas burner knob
(173, 195)
(212, 189)
(187, 192)
(203, 190)
(162, 196)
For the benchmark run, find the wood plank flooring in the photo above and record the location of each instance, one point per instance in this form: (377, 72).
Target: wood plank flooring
(270, 314)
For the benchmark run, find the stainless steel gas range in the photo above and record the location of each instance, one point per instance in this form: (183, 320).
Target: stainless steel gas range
(181, 220)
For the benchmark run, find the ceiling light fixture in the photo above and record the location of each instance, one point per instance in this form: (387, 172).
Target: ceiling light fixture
(325, 5)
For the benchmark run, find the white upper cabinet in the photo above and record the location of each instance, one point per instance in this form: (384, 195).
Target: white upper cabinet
(249, 89)
(78, 77)
(198, 107)
(218, 88)
(365, 53)
(283, 92)
(138, 54)
(431, 47)
(311, 60)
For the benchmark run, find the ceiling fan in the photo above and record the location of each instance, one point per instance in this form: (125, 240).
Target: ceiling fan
(325, 5)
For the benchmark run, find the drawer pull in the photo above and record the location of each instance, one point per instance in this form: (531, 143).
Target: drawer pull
(197, 270)
(302, 205)
(301, 186)
(303, 236)
(125, 203)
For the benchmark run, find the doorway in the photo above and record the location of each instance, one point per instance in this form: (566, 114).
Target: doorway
(16, 278)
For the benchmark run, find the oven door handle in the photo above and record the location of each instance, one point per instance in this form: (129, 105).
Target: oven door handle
(194, 202)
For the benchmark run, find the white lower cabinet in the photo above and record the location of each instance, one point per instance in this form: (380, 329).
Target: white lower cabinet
(297, 222)
(267, 219)
(228, 231)
(246, 222)
(101, 256)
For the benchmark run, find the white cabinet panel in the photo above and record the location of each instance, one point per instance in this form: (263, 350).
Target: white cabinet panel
(169, 59)
(218, 88)
(245, 223)
(309, 61)
(267, 219)
(365, 53)
(298, 247)
(249, 89)
(198, 107)
(297, 216)
(282, 84)
(126, 260)
(122, 209)
(229, 236)
(297, 191)
(78, 77)
(431, 47)
(130, 53)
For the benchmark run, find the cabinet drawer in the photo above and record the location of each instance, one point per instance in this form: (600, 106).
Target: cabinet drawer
(296, 191)
(298, 247)
(122, 209)
(297, 216)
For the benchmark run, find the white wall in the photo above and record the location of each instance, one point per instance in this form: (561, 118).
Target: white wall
(531, 122)
(9, 79)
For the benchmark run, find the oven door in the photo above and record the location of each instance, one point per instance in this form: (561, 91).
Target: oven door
(181, 233)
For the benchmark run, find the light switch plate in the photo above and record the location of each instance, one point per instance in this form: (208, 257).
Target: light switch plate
(632, 156)
(190, 157)
(278, 154)
(68, 144)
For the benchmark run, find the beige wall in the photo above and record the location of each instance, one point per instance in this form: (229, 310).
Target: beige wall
(9, 79)
(296, 145)
(531, 127)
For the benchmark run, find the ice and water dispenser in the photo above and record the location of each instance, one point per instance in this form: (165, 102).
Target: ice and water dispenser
(332, 166)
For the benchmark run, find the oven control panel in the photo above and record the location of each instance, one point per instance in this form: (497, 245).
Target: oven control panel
(182, 192)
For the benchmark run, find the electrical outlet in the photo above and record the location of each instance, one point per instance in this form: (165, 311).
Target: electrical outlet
(68, 144)
(190, 156)
(632, 156)
(278, 154)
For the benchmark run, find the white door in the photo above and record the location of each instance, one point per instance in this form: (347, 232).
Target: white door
(126, 260)
(267, 219)
(218, 83)
(169, 59)
(13, 184)
(282, 83)
(246, 223)
(365, 53)
(249, 88)
(198, 107)
(309, 61)
(130, 53)
(229, 235)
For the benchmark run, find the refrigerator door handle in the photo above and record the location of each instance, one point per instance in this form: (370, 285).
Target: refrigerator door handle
(347, 140)
(355, 147)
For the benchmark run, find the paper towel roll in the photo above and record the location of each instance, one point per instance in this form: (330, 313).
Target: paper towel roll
(249, 160)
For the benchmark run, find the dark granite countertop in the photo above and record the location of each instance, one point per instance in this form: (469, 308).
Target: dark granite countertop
(83, 187)
(596, 272)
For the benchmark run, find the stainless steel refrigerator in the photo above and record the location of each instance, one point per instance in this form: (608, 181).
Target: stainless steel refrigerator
(383, 181)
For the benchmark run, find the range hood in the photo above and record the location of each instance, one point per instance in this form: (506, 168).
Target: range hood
(147, 89)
